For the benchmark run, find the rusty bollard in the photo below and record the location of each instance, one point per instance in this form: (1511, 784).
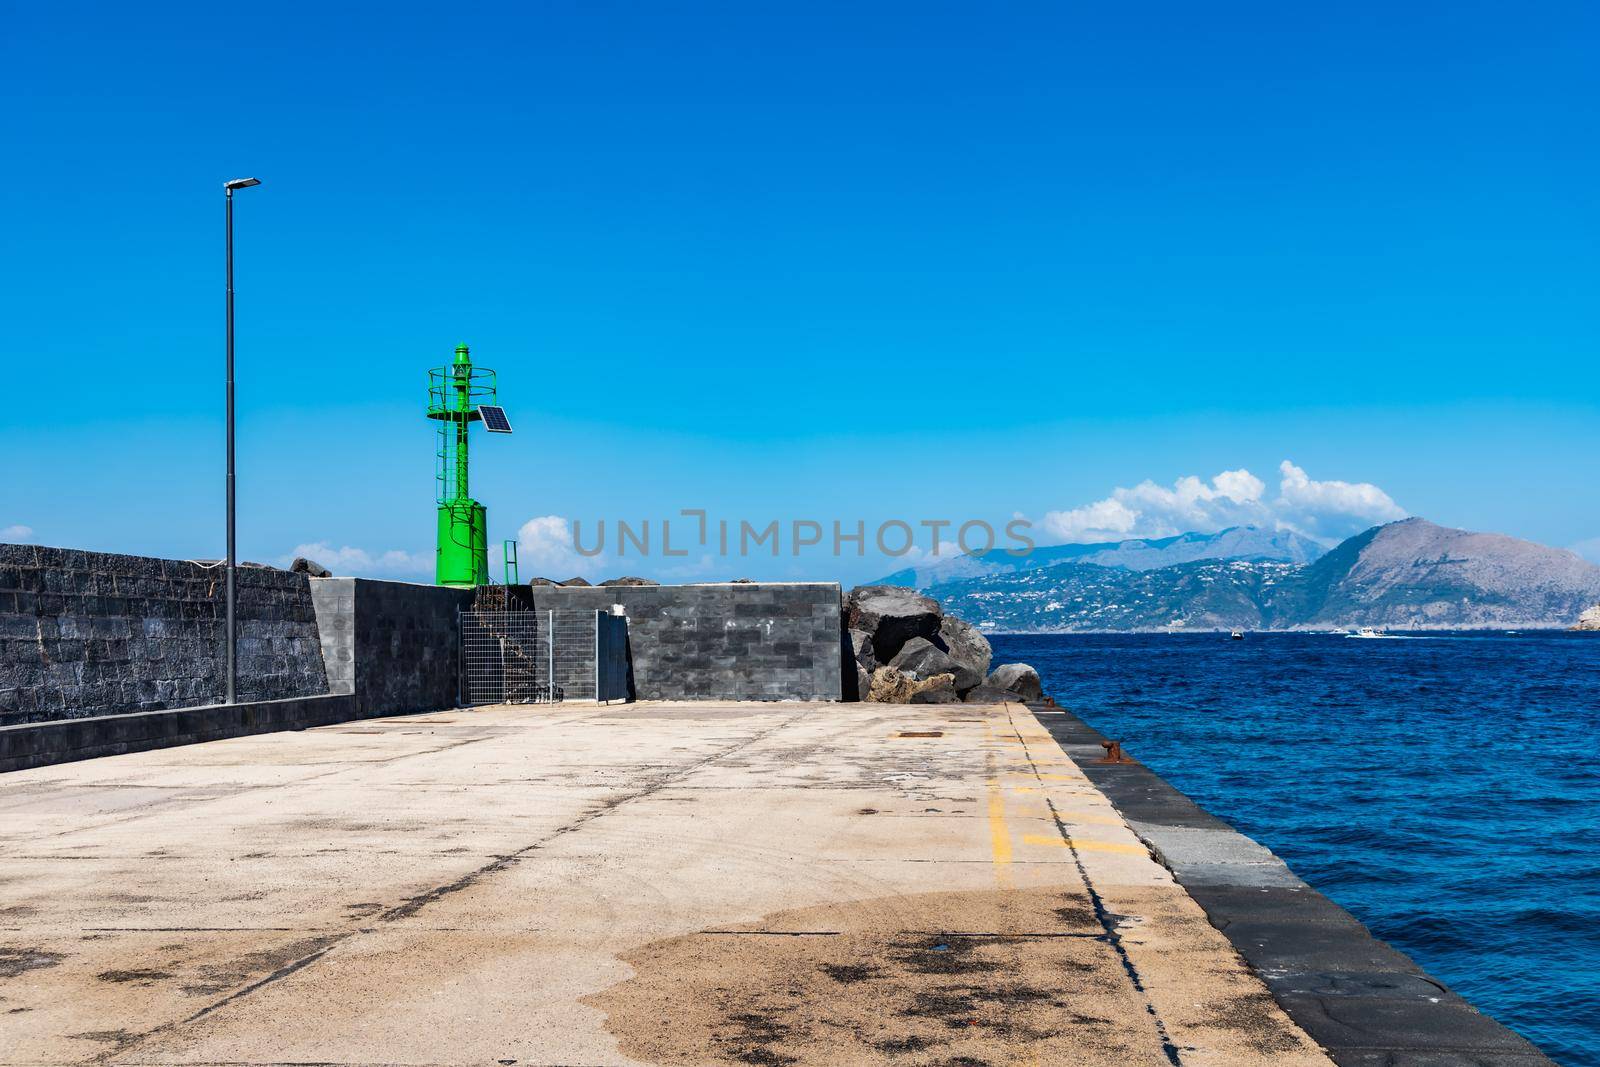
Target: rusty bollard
(1114, 753)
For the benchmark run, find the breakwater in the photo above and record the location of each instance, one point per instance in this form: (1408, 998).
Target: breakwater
(1439, 788)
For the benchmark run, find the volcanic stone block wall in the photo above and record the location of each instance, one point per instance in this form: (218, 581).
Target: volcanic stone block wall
(85, 634)
(390, 647)
(91, 633)
(395, 645)
(733, 641)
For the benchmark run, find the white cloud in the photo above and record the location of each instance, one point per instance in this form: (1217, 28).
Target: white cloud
(16, 534)
(1232, 498)
(545, 550)
(1103, 520)
(1328, 509)
(1589, 550)
(347, 560)
(1324, 510)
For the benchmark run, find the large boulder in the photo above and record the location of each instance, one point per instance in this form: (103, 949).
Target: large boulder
(1019, 678)
(940, 689)
(857, 649)
(1589, 620)
(921, 659)
(301, 565)
(580, 582)
(966, 645)
(988, 694)
(629, 580)
(861, 648)
(889, 686)
(893, 615)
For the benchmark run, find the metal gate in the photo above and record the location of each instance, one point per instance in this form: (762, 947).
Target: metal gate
(507, 657)
(522, 655)
(610, 657)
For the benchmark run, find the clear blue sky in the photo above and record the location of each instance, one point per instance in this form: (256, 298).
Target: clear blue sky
(810, 261)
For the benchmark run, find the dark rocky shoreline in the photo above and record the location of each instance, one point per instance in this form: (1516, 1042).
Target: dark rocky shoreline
(908, 651)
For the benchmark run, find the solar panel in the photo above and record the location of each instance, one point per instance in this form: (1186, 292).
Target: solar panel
(494, 418)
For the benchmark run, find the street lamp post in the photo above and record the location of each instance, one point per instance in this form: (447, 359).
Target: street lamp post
(228, 188)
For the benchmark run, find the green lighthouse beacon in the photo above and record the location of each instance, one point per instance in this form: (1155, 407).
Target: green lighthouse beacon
(458, 396)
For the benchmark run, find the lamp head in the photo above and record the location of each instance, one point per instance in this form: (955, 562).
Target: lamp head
(240, 183)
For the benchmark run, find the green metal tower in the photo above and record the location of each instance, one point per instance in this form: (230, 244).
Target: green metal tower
(458, 396)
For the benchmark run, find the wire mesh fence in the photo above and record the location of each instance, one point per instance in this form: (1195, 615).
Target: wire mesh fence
(525, 656)
(507, 657)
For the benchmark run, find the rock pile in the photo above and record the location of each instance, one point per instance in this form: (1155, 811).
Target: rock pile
(907, 651)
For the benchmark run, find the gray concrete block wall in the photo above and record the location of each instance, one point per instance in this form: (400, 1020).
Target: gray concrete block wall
(733, 641)
(94, 633)
(406, 645)
(394, 645)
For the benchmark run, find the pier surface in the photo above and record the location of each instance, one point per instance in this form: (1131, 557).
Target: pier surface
(649, 883)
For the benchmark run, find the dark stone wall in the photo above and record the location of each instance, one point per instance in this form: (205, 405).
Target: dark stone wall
(735, 641)
(406, 645)
(93, 633)
(394, 645)
(86, 634)
(390, 649)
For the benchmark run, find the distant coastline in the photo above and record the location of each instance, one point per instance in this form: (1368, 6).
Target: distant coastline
(1410, 575)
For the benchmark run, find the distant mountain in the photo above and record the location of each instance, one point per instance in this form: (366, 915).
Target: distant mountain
(1237, 542)
(1405, 575)
(1413, 574)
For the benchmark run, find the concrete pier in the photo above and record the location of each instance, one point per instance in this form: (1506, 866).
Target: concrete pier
(652, 883)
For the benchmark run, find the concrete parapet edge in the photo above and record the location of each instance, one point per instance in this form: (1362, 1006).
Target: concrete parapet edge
(1365, 1002)
(68, 740)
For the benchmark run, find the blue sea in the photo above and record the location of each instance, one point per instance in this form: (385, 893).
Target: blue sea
(1444, 788)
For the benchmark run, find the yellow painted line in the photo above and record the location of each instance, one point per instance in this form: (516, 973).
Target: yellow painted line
(999, 834)
(1085, 846)
(1050, 777)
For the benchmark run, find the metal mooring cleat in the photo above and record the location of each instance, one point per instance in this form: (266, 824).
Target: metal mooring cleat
(1114, 753)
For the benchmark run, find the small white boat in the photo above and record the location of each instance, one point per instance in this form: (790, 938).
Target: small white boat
(1367, 631)
(1237, 636)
